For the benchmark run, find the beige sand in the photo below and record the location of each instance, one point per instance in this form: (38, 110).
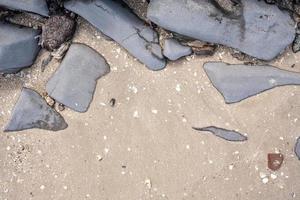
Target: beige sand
(144, 147)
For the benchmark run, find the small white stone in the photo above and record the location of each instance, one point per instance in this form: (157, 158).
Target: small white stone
(136, 114)
(230, 167)
(148, 183)
(154, 111)
(265, 180)
(42, 187)
(262, 175)
(273, 176)
(178, 87)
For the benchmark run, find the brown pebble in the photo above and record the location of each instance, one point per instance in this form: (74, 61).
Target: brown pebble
(61, 107)
(50, 101)
(275, 161)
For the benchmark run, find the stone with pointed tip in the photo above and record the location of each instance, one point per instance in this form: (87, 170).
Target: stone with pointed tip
(173, 50)
(34, 6)
(32, 111)
(238, 82)
(229, 135)
(74, 82)
(297, 148)
(18, 47)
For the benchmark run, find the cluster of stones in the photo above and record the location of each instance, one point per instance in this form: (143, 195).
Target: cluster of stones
(252, 27)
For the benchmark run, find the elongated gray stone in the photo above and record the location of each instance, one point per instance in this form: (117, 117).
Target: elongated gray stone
(297, 148)
(238, 82)
(229, 135)
(34, 6)
(173, 50)
(262, 30)
(74, 83)
(18, 47)
(120, 24)
(32, 111)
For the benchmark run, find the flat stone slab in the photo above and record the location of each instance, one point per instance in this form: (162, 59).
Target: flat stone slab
(32, 111)
(297, 148)
(120, 24)
(34, 6)
(262, 31)
(18, 47)
(225, 134)
(74, 83)
(238, 82)
(173, 50)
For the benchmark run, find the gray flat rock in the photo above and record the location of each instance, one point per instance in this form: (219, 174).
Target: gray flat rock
(238, 82)
(297, 148)
(173, 50)
(229, 135)
(32, 111)
(120, 24)
(18, 47)
(34, 6)
(262, 31)
(74, 83)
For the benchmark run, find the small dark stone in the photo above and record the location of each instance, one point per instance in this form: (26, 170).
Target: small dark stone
(57, 30)
(275, 161)
(112, 102)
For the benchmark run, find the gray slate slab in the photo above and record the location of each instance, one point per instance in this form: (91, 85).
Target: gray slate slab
(229, 135)
(238, 82)
(34, 6)
(120, 24)
(173, 50)
(74, 83)
(297, 148)
(18, 47)
(262, 31)
(32, 111)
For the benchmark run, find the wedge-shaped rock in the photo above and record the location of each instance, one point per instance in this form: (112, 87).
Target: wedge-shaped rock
(120, 24)
(74, 83)
(229, 135)
(297, 148)
(34, 6)
(173, 50)
(238, 82)
(259, 30)
(18, 47)
(32, 111)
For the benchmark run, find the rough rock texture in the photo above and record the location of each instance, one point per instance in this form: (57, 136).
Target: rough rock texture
(139, 7)
(173, 50)
(297, 148)
(74, 83)
(120, 24)
(229, 135)
(262, 31)
(32, 111)
(18, 47)
(57, 30)
(238, 82)
(35, 6)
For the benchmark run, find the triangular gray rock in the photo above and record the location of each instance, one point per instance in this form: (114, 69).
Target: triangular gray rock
(74, 83)
(120, 24)
(34, 6)
(173, 50)
(260, 30)
(18, 47)
(229, 135)
(238, 82)
(32, 111)
(297, 148)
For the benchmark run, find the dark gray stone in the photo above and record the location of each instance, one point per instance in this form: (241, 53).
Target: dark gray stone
(18, 47)
(229, 135)
(120, 24)
(173, 50)
(297, 148)
(261, 30)
(32, 111)
(238, 82)
(74, 83)
(34, 6)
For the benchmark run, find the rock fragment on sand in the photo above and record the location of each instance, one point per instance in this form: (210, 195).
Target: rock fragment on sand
(74, 82)
(34, 6)
(229, 135)
(297, 148)
(238, 82)
(260, 30)
(18, 47)
(32, 111)
(120, 24)
(275, 161)
(173, 50)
